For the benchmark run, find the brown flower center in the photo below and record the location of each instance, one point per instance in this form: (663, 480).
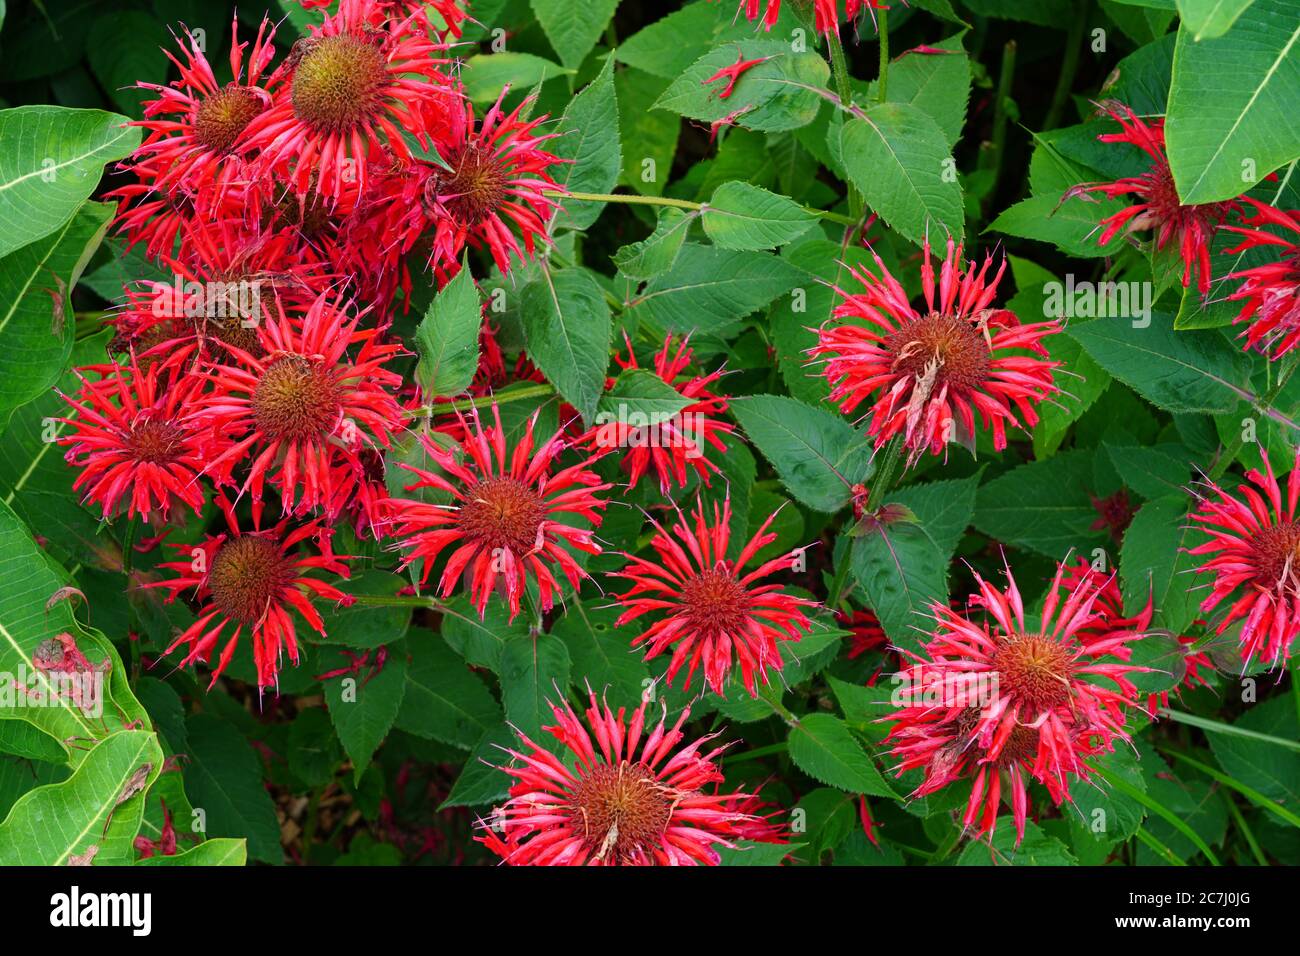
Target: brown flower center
(715, 601)
(951, 346)
(247, 574)
(296, 400)
(154, 441)
(477, 188)
(338, 82)
(620, 810)
(503, 513)
(1276, 550)
(1035, 670)
(223, 116)
(1021, 745)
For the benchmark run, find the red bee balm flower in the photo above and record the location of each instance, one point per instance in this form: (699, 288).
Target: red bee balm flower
(626, 798)
(1159, 207)
(711, 608)
(359, 83)
(930, 372)
(825, 11)
(131, 442)
(507, 517)
(252, 582)
(196, 124)
(1018, 697)
(680, 441)
(1255, 552)
(304, 407)
(1270, 293)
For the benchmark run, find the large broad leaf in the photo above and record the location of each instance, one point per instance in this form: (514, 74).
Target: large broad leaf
(1187, 371)
(364, 707)
(1207, 19)
(938, 84)
(1268, 768)
(37, 325)
(587, 137)
(534, 675)
(51, 160)
(742, 216)
(1037, 849)
(898, 158)
(486, 75)
(657, 252)
(1043, 505)
(567, 328)
(602, 654)
(902, 567)
(447, 338)
(573, 26)
(50, 824)
(444, 701)
(30, 582)
(710, 289)
(823, 747)
(818, 455)
(223, 777)
(480, 640)
(1231, 117)
(220, 852)
(125, 47)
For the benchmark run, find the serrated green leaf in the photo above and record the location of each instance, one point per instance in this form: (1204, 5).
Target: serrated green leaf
(823, 747)
(568, 327)
(447, 338)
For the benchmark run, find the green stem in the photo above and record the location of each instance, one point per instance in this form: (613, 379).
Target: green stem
(1069, 66)
(887, 472)
(1230, 452)
(396, 600)
(999, 140)
(1246, 832)
(132, 617)
(844, 87)
(882, 26)
(540, 390)
(635, 199)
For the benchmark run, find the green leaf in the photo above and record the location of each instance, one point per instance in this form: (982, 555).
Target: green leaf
(363, 625)
(447, 338)
(480, 782)
(823, 747)
(480, 640)
(573, 26)
(50, 824)
(1154, 564)
(1207, 19)
(937, 84)
(220, 852)
(587, 138)
(567, 328)
(649, 136)
(710, 289)
(903, 567)
(899, 160)
(1230, 120)
(223, 778)
(1273, 771)
(125, 47)
(534, 671)
(1152, 472)
(37, 324)
(1106, 816)
(749, 853)
(485, 75)
(51, 160)
(444, 700)
(1037, 849)
(818, 455)
(640, 392)
(363, 708)
(601, 653)
(658, 251)
(1042, 505)
(1187, 371)
(741, 216)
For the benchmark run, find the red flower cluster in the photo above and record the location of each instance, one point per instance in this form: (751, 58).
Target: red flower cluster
(999, 700)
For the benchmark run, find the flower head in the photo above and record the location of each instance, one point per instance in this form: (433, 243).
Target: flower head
(131, 441)
(1050, 699)
(1158, 207)
(711, 611)
(929, 373)
(511, 515)
(357, 86)
(1254, 557)
(252, 582)
(196, 125)
(1269, 293)
(676, 446)
(826, 13)
(305, 407)
(626, 795)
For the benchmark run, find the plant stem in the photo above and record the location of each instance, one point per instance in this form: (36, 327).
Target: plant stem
(635, 199)
(887, 471)
(844, 87)
(882, 27)
(540, 390)
(396, 600)
(999, 140)
(1069, 66)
